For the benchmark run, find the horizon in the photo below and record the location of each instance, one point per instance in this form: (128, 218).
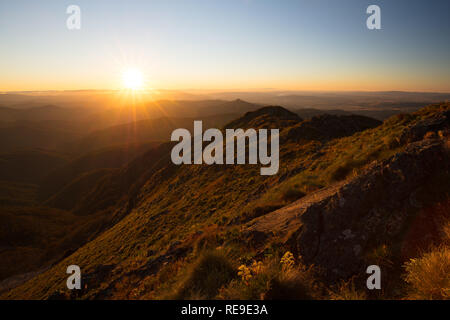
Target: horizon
(320, 46)
(218, 91)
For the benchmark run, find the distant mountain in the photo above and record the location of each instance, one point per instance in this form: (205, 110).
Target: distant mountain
(271, 116)
(237, 106)
(344, 100)
(375, 112)
(41, 113)
(26, 136)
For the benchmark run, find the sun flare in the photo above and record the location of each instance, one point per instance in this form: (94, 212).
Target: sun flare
(132, 79)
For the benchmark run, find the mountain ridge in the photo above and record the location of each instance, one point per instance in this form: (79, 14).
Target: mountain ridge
(172, 213)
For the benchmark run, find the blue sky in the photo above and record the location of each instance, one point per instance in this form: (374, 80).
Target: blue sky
(232, 44)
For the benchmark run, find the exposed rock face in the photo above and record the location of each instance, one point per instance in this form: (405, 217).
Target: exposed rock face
(437, 122)
(334, 228)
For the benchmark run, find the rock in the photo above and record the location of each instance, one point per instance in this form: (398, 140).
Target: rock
(376, 210)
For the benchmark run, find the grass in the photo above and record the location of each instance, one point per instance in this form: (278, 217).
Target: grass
(346, 290)
(428, 277)
(205, 277)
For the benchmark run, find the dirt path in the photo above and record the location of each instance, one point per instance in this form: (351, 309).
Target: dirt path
(286, 219)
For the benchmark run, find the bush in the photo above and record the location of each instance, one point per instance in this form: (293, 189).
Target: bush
(211, 271)
(428, 276)
(272, 281)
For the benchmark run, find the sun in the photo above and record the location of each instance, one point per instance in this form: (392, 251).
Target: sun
(132, 79)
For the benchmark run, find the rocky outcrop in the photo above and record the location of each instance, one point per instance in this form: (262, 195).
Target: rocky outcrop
(415, 132)
(336, 227)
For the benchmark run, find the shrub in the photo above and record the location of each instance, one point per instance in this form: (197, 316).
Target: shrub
(211, 271)
(271, 280)
(428, 276)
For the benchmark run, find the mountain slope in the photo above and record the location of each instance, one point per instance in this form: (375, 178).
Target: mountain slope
(29, 165)
(106, 158)
(167, 215)
(139, 132)
(27, 136)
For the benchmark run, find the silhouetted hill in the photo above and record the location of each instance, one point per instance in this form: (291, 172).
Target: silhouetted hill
(237, 106)
(73, 192)
(271, 116)
(139, 132)
(29, 165)
(17, 194)
(26, 136)
(106, 158)
(41, 113)
(381, 114)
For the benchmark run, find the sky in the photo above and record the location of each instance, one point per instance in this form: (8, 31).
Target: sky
(226, 45)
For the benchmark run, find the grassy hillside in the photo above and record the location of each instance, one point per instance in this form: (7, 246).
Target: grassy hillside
(166, 219)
